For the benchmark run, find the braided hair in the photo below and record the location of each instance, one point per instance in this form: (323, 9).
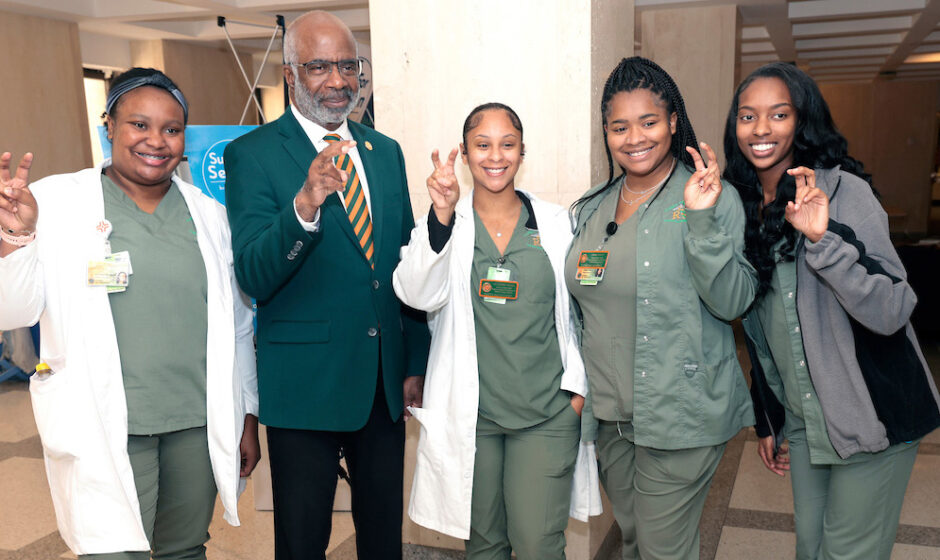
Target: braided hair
(642, 73)
(817, 144)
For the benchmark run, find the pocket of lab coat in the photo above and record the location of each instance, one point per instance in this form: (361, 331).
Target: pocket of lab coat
(56, 409)
(43, 383)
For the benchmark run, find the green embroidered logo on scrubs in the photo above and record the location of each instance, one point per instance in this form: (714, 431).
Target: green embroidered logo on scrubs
(535, 240)
(676, 213)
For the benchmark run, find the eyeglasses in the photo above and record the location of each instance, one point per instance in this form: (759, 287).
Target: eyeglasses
(319, 68)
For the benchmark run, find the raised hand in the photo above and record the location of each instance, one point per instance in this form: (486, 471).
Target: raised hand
(809, 211)
(323, 178)
(443, 186)
(18, 208)
(704, 186)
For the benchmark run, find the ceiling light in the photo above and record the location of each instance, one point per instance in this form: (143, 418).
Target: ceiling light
(922, 58)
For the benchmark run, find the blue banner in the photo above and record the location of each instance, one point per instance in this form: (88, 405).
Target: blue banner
(204, 147)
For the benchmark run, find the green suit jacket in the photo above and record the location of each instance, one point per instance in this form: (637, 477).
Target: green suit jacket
(325, 317)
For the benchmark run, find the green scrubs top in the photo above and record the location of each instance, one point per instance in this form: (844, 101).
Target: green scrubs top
(778, 317)
(517, 346)
(608, 338)
(161, 320)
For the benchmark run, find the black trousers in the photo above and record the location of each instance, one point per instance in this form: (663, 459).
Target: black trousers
(304, 468)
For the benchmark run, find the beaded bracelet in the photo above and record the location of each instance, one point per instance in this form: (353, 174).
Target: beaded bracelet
(17, 240)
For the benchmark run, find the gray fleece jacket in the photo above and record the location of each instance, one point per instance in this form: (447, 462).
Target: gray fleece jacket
(854, 306)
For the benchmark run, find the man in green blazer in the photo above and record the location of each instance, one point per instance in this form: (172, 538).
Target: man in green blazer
(319, 210)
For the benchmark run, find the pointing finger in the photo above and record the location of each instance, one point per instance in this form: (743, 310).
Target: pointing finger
(5, 166)
(699, 164)
(452, 158)
(337, 149)
(435, 159)
(22, 171)
(801, 171)
(800, 183)
(712, 158)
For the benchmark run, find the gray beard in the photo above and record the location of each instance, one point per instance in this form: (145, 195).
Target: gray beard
(309, 105)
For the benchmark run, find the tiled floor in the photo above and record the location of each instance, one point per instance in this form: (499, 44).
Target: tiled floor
(748, 515)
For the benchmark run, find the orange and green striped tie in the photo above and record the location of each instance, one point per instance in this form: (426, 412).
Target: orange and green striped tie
(356, 206)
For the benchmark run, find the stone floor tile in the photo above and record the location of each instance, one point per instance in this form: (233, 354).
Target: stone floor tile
(920, 502)
(749, 544)
(16, 417)
(911, 552)
(27, 514)
(757, 488)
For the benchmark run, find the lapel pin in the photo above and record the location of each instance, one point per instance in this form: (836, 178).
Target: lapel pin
(368, 145)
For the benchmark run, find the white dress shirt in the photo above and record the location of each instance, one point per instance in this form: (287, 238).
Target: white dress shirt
(316, 133)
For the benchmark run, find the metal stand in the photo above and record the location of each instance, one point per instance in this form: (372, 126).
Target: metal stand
(221, 21)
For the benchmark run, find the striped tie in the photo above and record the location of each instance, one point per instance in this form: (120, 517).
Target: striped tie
(356, 206)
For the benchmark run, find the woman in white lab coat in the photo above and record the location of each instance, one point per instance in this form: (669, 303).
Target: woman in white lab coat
(146, 397)
(500, 438)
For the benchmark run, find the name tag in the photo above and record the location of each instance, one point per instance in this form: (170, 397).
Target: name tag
(113, 272)
(498, 291)
(591, 266)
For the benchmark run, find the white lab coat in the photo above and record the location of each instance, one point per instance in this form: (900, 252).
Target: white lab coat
(439, 283)
(81, 409)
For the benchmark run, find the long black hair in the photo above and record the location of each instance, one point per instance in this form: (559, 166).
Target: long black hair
(817, 143)
(642, 73)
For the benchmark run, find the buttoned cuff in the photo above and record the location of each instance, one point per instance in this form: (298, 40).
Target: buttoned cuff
(311, 227)
(703, 222)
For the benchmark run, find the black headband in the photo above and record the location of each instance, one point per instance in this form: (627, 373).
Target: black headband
(155, 80)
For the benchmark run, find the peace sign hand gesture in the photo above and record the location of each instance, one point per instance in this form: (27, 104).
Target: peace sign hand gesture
(443, 186)
(18, 208)
(809, 210)
(703, 188)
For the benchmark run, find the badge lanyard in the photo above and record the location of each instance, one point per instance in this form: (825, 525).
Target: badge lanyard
(592, 264)
(114, 270)
(497, 286)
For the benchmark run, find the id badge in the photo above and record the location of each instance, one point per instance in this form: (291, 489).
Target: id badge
(589, 276)
(107, 273)
(499, 276)
(498, 291)
(121, 257)
(113, 272)
(591, 266)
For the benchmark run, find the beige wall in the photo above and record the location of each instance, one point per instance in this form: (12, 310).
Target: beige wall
(612, 37)
(546, 60)
(104, 52)
(698, 47)
(891, 127)
(42, 96)
(209, 77)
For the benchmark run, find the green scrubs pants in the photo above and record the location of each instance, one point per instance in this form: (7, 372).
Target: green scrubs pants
(176, 490)
(848, 511)
(657, 496)
(522, 489)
